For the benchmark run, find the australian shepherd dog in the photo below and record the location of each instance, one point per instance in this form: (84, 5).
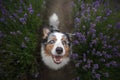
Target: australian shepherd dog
(56, 46)
(56, 50)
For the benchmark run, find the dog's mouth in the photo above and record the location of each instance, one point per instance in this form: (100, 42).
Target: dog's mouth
(57, 59)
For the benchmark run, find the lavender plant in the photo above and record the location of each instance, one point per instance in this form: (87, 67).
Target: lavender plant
(97, 42)
(19, 23)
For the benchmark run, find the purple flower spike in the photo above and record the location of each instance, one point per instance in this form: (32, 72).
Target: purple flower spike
(23, 45)
(92, 25)
(77, 20)
(20, 10)
(84, 57)
(26, 39)
(30, 9)
(117, 25)
(2, 19)
(106, 74)
(98, 18)
(74, 55)
(38, 14)
(77, 65)
(97, 76)
(75, 42)
(82, 6)
(1, 34)
(95, 66)
(107, 65)
(22, 20)
(96, 4)
(108, 12)
(114, 63)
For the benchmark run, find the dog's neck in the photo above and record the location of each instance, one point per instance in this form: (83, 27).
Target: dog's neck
(63, 8)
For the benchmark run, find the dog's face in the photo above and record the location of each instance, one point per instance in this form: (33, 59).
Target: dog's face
(56, 48)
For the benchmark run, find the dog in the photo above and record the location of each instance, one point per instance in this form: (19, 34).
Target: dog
(56, 47)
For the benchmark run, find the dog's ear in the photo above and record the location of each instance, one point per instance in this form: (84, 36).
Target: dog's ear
(71, 36)
(45, 32)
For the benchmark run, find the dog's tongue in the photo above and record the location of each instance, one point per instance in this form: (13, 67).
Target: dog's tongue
(57, 59)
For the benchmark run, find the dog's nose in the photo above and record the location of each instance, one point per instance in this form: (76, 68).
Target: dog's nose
(59, 50)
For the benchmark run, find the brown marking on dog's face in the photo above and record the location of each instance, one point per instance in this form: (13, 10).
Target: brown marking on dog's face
(66, 46)
(67, 51)
(49, 46)
(48, 49)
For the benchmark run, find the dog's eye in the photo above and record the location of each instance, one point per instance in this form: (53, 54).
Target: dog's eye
(64, 42)
(52, 42)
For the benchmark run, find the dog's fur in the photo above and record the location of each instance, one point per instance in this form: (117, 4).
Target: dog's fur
(58, 17)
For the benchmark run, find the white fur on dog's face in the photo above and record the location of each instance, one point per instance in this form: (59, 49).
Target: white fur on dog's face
(58, 43)
(49, 55)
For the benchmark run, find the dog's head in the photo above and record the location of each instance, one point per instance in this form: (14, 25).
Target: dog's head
(56, 48)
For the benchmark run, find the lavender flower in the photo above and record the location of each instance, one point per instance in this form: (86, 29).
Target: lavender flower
(23, 45)
(98, 18)
(81, 37)
(23, 20)
(15, 15)
(30, 9)
(101, 35)
(109, 26)
(19, 32)
(117, 25)
(74, 56)
(106, 74)
(107, 65)
(77, 65)
(96, 4)
(77, 20)
(94, 35)
(75, 42)
(92, 25)
(38, 14)
(1, 34)
(78, 78)
(102, 60)
(13, 33)
(73, 4)
(26, 39)
(108, 56)
(20, 10)
(36, 74)
(108, 12)
(94, 9)
(98, 76)
(114, 63)
(95, 66)
(99, 53)
(2, 19)
(92, 29)
(82, 6)
(84, 57)
(25, 15)
(94, 42)
(21, 1)
(4, 11)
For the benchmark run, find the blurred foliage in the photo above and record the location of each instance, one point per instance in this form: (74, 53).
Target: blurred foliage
(97, 40)
(19, 24)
